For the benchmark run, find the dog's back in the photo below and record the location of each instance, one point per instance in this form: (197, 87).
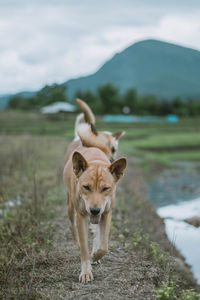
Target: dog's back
(87, 138)
(109, 139)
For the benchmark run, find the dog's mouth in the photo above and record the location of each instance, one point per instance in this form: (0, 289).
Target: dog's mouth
(95, 219)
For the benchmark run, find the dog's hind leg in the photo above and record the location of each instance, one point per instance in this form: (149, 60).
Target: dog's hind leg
(104, 226)
(71, 214)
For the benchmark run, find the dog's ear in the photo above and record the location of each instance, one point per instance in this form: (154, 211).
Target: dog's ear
(118, 134)
(79, 163)
(117, 168)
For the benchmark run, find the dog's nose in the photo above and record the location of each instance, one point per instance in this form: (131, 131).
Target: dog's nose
(95, 211)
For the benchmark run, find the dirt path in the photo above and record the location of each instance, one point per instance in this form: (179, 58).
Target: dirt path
(135, 264)
(111, 276)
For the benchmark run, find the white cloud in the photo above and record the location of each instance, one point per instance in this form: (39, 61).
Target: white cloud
(182, 29)
(52, 41)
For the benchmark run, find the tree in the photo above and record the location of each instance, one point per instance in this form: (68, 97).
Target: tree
(110, 98)
(47, 95)
(19, 102)
(50, 94)
(130, 100)
(166, 107)
(148, 104)
(177, 106)
(193, 107)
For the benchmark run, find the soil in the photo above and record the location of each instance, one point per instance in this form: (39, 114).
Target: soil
(131, 270)
(195, 221)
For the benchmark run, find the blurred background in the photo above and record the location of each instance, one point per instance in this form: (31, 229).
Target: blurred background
(137, 65)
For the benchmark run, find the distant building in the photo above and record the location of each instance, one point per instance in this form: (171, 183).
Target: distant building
(57, 107)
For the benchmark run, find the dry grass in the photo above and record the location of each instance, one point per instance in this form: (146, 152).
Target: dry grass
(31, 170)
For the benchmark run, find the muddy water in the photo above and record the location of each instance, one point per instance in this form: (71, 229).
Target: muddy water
(176, 194)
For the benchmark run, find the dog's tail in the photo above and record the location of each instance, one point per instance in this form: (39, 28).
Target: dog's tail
(90, 139)
(88, 114)
(86, 117)
(79, 120)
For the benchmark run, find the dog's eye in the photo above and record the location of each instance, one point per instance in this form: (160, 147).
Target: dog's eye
(113, 150)
(86, 187)
(106, 188)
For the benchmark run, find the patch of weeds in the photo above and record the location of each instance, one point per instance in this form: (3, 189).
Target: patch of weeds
(190, 294)
(141, 241)
(137, 238)
(166, 292)
(28, 198)
(122, 206)
(57, 194)
(151, 251)
(24, 233)
(169, 291)
(159, 256)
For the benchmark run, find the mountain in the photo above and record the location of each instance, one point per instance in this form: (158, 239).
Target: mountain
(152, 67)
(4, 100)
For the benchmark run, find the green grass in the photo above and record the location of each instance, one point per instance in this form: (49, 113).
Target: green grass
(35, 124)
(162, 142)
(168, 292)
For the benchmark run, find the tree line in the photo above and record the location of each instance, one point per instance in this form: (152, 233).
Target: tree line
(107, 99)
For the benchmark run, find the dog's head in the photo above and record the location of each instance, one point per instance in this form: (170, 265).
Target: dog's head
(111, 140)
(97, 183)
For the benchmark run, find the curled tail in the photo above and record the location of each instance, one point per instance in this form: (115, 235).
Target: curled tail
(79, 120)
(88, 114)
(90, 139)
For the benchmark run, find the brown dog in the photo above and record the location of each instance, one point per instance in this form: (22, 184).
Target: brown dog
(91, 180)
(107, 138)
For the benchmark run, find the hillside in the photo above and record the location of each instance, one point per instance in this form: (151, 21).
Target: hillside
(152, 67)
(4, 100)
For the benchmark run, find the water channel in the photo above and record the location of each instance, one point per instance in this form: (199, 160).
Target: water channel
(176, 195)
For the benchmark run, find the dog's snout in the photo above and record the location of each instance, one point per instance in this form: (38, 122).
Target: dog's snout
(95, 211)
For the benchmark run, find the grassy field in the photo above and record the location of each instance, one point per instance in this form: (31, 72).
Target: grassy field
(162, 142)
(37, 256)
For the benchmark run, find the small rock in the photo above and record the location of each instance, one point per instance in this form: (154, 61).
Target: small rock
(195, 221)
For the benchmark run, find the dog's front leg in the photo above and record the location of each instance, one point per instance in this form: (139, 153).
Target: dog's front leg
(86, 268)
(104, 236)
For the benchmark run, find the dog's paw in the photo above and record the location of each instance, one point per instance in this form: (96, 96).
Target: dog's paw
(76, 244)
(86, 277)
(98, 255)
(98, 262)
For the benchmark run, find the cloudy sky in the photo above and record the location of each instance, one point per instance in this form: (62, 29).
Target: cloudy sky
(47, 41)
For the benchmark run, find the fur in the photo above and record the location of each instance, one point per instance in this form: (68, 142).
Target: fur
(90, 181)
(109, 139)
